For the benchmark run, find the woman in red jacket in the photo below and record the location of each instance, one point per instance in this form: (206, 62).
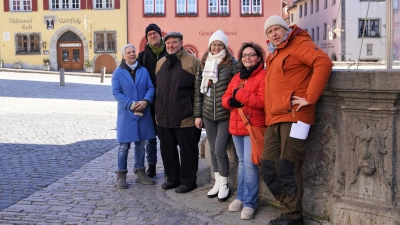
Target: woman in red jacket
(246, 91)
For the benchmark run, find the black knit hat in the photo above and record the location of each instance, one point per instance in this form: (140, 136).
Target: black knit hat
(154, 27)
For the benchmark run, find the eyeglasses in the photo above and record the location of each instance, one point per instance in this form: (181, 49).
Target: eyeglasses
(152, 34)
(217, 45)
(251, 55)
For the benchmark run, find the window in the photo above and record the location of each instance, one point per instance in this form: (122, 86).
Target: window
(251, 7)
(301, 11)
(21, 5)
(27, 43)
(104, 4)
(333, 2)
(154, 7)
(65, 4)
(291, 17)
(370, 28)
(333, 27)
(316, 5)
(311, 6)
(369, 49)
(305, 9)
(312, 34)
(396, 5)
(218, 8)
(317, 33)
(105, 41)
(325, 4)
(325, 31)
(186, 7)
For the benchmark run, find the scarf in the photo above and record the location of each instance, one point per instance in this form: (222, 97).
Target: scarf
(131, 68)
(246, 73)
(157, 51)
(210, 72)
(272, 48)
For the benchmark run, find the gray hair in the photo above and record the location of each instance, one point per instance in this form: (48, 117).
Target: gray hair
(126, 46)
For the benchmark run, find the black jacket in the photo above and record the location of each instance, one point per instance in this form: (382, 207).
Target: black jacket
(148, 59)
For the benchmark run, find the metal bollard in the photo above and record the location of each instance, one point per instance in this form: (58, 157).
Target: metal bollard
(103, 74)
(62, 77)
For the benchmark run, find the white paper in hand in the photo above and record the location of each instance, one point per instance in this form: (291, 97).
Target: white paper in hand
(299, 130)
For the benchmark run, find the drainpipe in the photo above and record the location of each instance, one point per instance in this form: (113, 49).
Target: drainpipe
(389, 34)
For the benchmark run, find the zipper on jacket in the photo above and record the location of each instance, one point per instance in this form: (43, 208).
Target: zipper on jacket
(215, 104)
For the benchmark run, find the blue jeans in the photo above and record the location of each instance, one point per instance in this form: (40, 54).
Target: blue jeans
(151, 151)
(138, 155)
(248, 178)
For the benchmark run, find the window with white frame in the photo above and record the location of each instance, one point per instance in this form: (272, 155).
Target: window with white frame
(316, 5)
(333, 2)
(370, 28)
(104, 4)
(325, 4)
(154, 7)
(186, 7)
(317, 33)
(218, 7)
(301, 11)
(305, 9)
(311, 6)
(65, 4)
(312, 34)
(105, 41)
(21, 5)
(396, 5)
(325, 31)
(27, 43)
(251, 7)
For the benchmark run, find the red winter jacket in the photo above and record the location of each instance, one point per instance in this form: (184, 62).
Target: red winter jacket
(251, 96)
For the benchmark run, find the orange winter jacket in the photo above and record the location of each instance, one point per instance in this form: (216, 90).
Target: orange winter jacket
(296, 68)
(251, 96)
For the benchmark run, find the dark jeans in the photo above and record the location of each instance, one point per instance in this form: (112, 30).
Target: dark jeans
(281, 163)
(185, 171)
(218, 138)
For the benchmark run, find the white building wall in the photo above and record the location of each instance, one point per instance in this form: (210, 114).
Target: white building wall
(350, 34)
(356, 10)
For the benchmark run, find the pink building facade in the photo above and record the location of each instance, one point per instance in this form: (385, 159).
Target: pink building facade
(242, 21)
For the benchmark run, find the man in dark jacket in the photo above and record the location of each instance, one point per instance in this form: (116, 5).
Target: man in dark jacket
(154, 50)
(176, 104)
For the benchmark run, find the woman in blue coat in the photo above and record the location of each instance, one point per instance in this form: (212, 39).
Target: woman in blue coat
(134, 91)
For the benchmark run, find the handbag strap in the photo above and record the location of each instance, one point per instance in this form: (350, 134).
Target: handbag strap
(244, 118)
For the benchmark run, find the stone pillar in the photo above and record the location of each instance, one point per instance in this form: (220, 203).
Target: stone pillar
(352, 171)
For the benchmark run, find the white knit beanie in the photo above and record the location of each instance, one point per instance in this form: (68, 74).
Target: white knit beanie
(218, 36)
(275, 20)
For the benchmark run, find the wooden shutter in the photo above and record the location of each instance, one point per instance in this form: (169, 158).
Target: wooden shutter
(117, 4)
(6, 6)
(34, 5)
(90, 4)
(45, 4)
(83, 4)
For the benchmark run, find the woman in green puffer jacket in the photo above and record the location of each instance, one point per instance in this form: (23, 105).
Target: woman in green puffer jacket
(218, 68)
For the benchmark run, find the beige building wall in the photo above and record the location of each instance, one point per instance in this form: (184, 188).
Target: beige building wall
(196, 30)
(79, 40)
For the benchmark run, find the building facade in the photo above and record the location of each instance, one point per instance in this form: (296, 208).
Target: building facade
(241, 20)
(72, 34)
(346, 30)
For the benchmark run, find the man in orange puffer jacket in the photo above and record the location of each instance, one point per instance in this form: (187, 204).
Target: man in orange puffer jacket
(297, 73)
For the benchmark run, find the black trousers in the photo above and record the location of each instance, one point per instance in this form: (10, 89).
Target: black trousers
(182, 171)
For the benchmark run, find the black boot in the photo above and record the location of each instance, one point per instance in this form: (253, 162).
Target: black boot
(151, 171)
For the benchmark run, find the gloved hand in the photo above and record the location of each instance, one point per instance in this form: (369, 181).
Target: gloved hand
(233, 102)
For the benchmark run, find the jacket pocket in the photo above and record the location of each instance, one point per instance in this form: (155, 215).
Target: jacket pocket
(280, 104)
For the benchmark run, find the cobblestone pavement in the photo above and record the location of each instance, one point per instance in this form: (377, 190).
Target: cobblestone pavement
(58, 157)
(57, 153)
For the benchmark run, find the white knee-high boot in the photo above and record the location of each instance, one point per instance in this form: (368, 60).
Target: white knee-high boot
(214, 191)
(223, 193)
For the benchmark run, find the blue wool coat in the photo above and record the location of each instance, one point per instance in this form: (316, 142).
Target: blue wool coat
(131, 128)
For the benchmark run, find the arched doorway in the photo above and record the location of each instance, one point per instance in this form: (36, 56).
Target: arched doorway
(107, 61)
(70, 52)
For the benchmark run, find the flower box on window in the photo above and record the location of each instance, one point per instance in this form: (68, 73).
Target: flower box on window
(154, 14)
(213, 14)
(181, 14)
(224, 14)
(192, 14)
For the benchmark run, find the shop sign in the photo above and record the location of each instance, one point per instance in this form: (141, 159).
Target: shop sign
(26, 24)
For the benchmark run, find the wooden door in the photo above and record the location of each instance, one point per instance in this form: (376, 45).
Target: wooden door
(107, 61)
(70, 56)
